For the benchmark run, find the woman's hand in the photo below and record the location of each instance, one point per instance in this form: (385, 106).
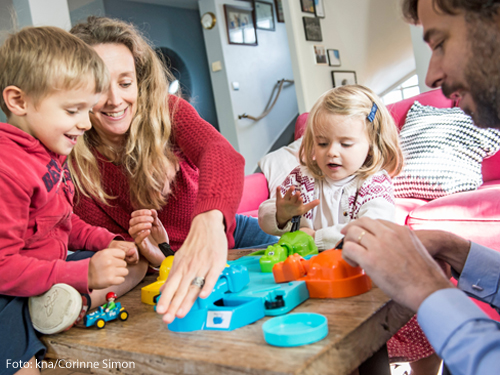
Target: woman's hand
(290, 205)
(203, 254)
(131, 253)
(148, 232)
(395, 259)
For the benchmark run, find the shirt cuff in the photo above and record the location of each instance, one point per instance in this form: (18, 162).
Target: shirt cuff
(443, 313)
(480, 276)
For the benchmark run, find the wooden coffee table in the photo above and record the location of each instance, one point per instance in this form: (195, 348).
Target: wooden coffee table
(358, 330)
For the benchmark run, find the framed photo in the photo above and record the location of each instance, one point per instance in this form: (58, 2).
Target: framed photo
(307, 6)
(240, 25)
(264, 15)
(280, 15)
(344, 77)
(320, 55)
(319, 8)
(312, 29)
(333, 57)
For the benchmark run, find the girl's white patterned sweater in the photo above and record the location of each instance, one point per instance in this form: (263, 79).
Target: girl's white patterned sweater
(340, 202)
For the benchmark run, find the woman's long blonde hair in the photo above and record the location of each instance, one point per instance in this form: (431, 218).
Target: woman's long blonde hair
(355, 101)
(146, 155)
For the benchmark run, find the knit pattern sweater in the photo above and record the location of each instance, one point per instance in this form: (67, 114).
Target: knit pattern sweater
(210, 177)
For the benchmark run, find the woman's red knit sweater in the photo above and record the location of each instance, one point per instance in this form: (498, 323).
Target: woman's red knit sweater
(210, 176)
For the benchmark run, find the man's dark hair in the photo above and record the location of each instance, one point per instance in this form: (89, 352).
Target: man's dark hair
(483, 8)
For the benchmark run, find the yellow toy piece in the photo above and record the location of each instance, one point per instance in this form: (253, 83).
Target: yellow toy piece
(149, 292)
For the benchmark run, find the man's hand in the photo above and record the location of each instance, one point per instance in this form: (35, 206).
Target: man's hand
(203, 254)
(131, 252)
(395, 259)
(290, 205)
(308, 231)
(445, 247)
(106, 268)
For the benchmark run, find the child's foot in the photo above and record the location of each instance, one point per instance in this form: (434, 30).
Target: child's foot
(55, 310)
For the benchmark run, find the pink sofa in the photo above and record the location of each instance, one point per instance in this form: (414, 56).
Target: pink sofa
(474, 215)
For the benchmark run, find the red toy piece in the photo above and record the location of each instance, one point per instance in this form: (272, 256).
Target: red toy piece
(327, 275)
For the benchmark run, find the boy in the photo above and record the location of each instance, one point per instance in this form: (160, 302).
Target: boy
(49, 81)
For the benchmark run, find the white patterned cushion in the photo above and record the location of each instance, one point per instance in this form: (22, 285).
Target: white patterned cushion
(443, 152)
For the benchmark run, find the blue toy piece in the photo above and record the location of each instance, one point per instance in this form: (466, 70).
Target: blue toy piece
(295, 329)
(100, 317)
(222, 310)
(277, 299)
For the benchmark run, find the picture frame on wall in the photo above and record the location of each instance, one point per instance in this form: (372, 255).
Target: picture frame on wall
(307, 6)
(312, 29)
(319, 8)
(320, 55)
(344, 77)
(240, 25)
(264, 15)
(280, 15)
(333, 57)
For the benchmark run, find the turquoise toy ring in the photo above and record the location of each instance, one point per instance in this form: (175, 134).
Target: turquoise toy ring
(198, 281)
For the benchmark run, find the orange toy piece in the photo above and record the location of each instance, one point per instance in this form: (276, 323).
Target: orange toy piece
(327, 275)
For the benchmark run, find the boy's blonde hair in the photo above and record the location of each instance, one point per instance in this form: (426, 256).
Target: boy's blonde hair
(146, 155)
(40, 60)
(355, 101)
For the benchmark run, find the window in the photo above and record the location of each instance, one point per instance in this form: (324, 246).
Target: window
(405, 90)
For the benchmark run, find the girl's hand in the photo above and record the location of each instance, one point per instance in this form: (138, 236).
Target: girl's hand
(203, 254)
(148, 232)
(131, 253)
(290, 205)
(308, 231)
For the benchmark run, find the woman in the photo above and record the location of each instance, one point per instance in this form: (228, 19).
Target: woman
(150, 150)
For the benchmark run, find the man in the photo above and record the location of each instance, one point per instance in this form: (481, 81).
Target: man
(464, 36)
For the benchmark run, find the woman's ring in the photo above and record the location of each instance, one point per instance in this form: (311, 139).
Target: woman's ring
(198, 281)
(361, 237)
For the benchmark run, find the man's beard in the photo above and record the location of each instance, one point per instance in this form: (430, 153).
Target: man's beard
(482, 72)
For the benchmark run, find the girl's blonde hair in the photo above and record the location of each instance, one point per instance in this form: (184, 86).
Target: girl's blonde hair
(355, 101)
(146, 155)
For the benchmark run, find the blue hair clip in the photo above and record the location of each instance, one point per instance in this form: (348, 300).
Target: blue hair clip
(373, 112)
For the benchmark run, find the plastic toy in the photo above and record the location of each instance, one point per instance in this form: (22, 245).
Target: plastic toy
(295, 329)
(277, 299)
(149, 292)
(222, 310)
(326, 275)
(101, 316)
(297, 242)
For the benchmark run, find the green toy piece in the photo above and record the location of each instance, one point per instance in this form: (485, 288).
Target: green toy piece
(290, 243)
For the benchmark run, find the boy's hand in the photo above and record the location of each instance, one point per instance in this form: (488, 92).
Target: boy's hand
(131, 252)
(290, 205)
(106, 268)
(147, 231)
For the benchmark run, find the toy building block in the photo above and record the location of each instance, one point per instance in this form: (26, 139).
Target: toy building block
(149, 292)
(297, 242)
(221, 310)
(100, 317)
(327, 275)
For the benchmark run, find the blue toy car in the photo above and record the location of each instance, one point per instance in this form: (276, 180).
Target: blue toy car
(100, 317)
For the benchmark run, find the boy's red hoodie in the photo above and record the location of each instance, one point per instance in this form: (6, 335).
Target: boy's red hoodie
(37, 224)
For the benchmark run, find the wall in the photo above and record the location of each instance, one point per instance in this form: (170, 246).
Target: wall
(6, 26)
(257, 69)
(79, 10)
(422, 54)
(371, 36)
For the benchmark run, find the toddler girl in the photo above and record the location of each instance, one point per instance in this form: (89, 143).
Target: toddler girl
(349, 151)
(348, 155)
